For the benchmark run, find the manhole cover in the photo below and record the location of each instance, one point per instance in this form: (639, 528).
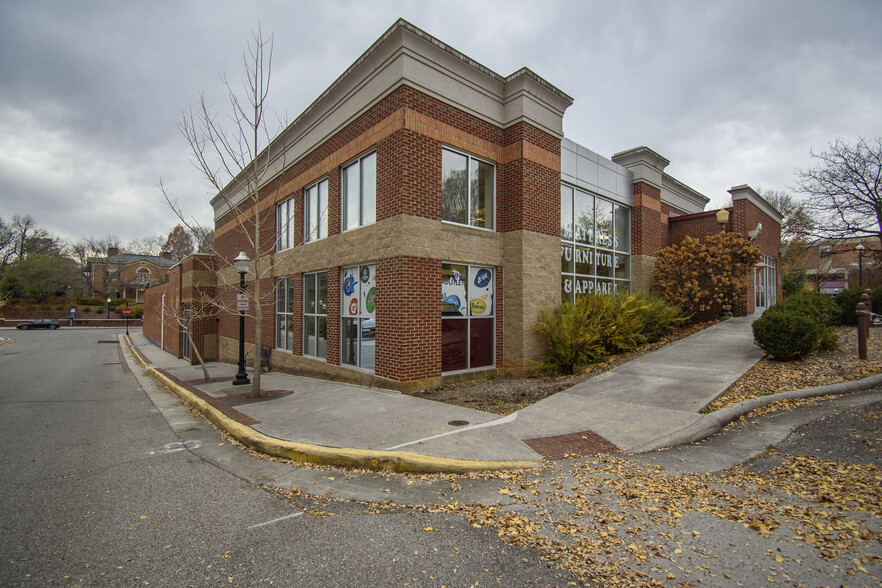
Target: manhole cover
(457, 423)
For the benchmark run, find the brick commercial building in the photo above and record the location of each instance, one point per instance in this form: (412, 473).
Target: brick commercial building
(428, 209)
(126, 275)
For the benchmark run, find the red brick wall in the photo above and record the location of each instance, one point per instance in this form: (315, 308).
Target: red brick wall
(408, 318)
(409, 176)
(167, 333)
(649, 234)
(697, 226)
(409, 183)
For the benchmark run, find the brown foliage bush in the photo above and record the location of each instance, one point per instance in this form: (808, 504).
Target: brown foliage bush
(700, 275)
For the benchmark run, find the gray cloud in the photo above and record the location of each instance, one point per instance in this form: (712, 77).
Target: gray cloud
(730, 92)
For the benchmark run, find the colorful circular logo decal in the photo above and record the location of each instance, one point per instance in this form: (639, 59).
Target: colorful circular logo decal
(452, 300)
(349, 285)
(370, 301)
(365, 273)
(353, 307)
(478, 306)
(482, 278)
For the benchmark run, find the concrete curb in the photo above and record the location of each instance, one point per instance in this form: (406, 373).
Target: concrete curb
(711, 423)
(369, 459)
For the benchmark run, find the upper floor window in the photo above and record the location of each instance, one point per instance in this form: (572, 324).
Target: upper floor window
(143, 275)
(285, 225)
(360, 192)
(315, 213)
(467, 190)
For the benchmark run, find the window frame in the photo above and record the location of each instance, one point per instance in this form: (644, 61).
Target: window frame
(344, 192)
(362, 314)
(470, 317)
(321, 228)
(470, 159)
(588, 243)
(285, 287)
(285, 240)
(316, 316)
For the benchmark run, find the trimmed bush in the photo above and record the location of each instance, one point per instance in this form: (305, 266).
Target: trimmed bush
(846, 302)
(137, 312)
(829, 341)
(814, 304)
(786, 333)
(90, 301)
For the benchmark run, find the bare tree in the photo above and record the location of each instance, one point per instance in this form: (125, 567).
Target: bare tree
(797, 223)
(240, 162)
(151, 245)
(845, 190)
(184, 317)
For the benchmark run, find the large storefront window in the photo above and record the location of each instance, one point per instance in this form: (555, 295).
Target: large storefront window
(359, 326)
(595, 244)
(467, 317)
(315, 315)
(285, 313)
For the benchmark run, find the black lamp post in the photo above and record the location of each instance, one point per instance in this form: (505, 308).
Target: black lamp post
(860, 249)
(242, 264)
(108, 307)
(127, 316)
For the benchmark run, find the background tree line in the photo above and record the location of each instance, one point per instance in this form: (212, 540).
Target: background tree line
(36, 264)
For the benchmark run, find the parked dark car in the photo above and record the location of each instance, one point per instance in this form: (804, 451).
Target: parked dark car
(39, 324)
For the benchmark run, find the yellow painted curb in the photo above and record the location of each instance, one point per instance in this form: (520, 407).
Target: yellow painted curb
(369, 459)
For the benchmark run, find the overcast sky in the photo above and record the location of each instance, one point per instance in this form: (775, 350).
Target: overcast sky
(731, 92)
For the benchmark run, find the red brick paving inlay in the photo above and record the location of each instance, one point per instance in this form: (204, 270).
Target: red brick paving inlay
(215, 402)
(570, 445)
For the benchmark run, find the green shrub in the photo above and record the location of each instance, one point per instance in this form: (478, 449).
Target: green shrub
(814, 304)
(793, 283)
(660, 319)
(570, 339)
(85, 309)
(601, 325)
(90, 301)
(846, 302)
(829, 340)
(137, 312)
(786, 333)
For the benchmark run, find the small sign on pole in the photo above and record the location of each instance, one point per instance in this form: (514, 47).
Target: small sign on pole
(242, 302)
(127, 311)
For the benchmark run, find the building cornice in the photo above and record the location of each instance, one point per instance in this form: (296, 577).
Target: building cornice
(407, 56)
(745, 192)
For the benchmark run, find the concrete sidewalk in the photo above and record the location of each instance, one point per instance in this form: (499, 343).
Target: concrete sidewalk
(650, 402)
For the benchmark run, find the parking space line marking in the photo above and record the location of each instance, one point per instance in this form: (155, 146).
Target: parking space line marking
(290, 516)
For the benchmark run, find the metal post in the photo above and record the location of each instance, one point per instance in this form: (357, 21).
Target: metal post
(127, 317)
(241, 375)
(863, 329)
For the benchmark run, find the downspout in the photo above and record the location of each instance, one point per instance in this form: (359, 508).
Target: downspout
(162, 325)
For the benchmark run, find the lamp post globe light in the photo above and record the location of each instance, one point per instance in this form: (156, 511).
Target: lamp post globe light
(242, 263)
(108, 307)
(860, 249)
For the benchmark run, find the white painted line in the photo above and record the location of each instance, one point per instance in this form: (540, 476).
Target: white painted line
(504, 420)
(290, 516)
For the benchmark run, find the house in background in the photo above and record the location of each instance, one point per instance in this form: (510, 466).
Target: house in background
(430, 209)
(126, 275)
(831, 267)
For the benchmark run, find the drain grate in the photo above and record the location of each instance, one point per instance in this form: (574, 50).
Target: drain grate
(571, 445)
(457, 423)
